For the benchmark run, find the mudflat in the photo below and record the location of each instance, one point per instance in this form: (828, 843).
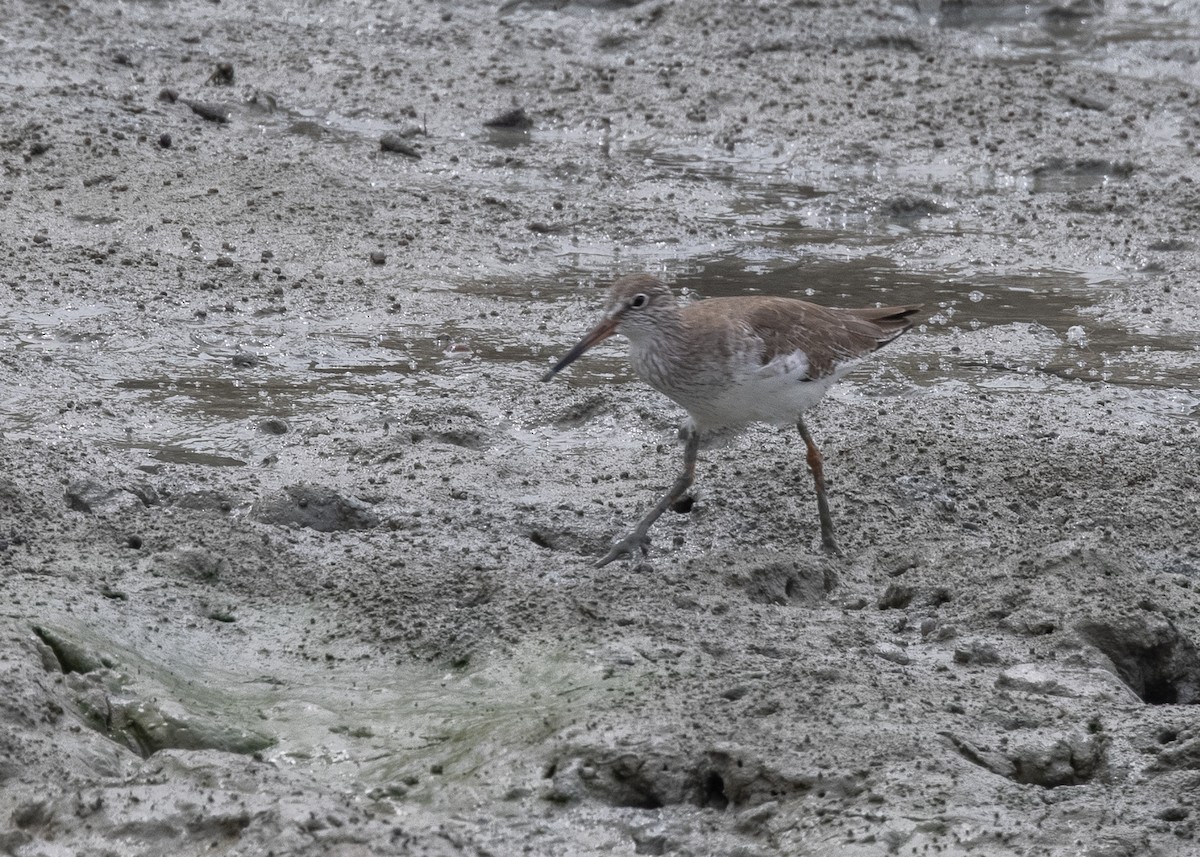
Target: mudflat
(296, 551)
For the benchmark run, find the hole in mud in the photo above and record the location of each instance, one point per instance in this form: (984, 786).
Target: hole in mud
(1161, 693)
(683, 505)
(1150, 655)
(714, 792)
(647, 801)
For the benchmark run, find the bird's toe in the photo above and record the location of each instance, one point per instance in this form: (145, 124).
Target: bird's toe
(633, 546)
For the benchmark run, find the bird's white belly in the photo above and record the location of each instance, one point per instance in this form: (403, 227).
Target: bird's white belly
(741, 392)
(776, 399)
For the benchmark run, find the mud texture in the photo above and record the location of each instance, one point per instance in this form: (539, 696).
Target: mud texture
(296, 552)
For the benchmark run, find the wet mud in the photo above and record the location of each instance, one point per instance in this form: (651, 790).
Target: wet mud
(296, 551)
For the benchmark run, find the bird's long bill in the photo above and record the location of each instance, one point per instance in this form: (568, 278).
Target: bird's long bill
(599, 333)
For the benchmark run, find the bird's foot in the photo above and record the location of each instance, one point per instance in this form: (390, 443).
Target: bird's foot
(829, 545)
(635, 546)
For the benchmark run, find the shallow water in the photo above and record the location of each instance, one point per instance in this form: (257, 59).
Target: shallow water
(207, 403)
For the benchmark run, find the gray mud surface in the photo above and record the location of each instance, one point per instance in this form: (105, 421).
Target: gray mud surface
(296, 552)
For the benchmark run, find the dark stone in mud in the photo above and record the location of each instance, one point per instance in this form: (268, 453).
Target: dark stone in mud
(1088, 101)
(314, 507)
(274, 425)
(516, 119)
(222, 75)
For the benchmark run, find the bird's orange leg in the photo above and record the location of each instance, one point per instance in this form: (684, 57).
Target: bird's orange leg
(817, 465)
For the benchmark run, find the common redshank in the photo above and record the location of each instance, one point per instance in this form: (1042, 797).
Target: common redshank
(730, 362)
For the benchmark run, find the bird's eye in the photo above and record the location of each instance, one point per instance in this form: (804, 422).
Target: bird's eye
(638, 301)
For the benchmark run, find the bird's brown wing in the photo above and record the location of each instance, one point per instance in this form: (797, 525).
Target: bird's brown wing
(827, 335)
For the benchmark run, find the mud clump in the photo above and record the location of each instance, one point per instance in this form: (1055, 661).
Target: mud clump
(315, 508)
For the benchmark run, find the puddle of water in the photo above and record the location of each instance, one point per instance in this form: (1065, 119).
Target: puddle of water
(202, 401)
(1144, 40)
(997, 324)
(1050, 18)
